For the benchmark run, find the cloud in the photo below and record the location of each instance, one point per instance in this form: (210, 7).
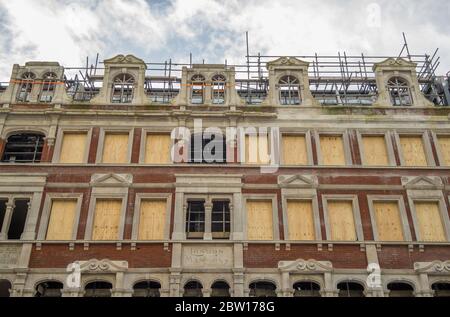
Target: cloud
(156, 30)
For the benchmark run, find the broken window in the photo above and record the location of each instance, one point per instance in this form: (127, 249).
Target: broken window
(18, 219)
(220, 218)
(263, 289)
(197, 91)
(399, 92)
(400, 290)
(208, 148)
(195, 219)
(441, 289)
(25, 87)
(306, 289)
(350, 289)
(123, 88)
(218, 89)
(146, 289)
(220, 289)
(49, 289)
(193, 289)
(289, 89)
(24, 148)
(98, 289)
(48, 87)
(5, 287)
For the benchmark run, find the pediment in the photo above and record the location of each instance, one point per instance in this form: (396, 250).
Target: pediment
(111, 180)
(104, 266)
(297, 181)
(124, 59)
(422, 182)
(303, 266)
(287, 61)
(437, 267)
(394, 62)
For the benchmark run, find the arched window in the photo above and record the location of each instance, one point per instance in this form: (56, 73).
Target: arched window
(48, 87)
(49, 289)
(263, 289)
(197, 90)
(220, 289)
(25, 87)
(146, 289)
(306, 289)
(289, 89)
(218, 89)
(193, 289)
(350, 289)
(24, 148)
(400, 290)
(399, 91)
(123, 88)
(5, 287)
(98, 289)
(441, 289)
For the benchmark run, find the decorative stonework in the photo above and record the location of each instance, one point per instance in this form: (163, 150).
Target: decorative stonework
(287, 61)
(9, 255)
(436, 267)
(124, 59)
(422, 182)
(204, 257)
(111, 180)
(302, 266)
(102, 266)
(297, 181)
(396, 62)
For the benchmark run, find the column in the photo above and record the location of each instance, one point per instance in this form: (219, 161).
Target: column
(238, 283)
(29, 232)
(179, 219)
(175, 280)
(237, 217)
(208, 216)
(286, 288)
(7, 219)
(329, 290)
(425, 291)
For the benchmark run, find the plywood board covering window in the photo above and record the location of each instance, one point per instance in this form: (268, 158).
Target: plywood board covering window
(341, 221)
(62, 218)
(332, 149)
(115, 148)
(152, 219)
(106, 219)
(157, 149)
(389, 224)
(300, 220)
(256, 149)
(259, 220)
(429, 220)
(294, 150)
(73, 148)
(444, 145)
(375, 151)
(413, 151)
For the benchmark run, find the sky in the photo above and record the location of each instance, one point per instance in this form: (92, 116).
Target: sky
(214, 30)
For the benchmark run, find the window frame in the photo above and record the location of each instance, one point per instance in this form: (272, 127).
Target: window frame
(290, 90)
(101, 143)
(388, 142)
(425, 142)
(261, 197)
(60, 138)
(124, 85)
(440, 156)
(48, 87)
(390, 88)
(29, 84)
(307, 134)
(346, 143)
(218, 84)
(143, 142)
(12, 199)
(193, 84)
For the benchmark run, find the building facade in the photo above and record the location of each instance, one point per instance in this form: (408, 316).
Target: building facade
(104, 190)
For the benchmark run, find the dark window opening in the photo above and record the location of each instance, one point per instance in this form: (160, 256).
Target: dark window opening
(48, 87)
(400, 290)
(220, 220)
(441, 289)
(349, 289)
(195, 219)
(208, 149)
(2, 212)
(24, 148)
(306, 289)
(193, 289)
(147, 289)
(263, 289)
(98, 289)
(123, 89)
(5, 287)
(25, 87)
(18, 219)
(49, 289)
(220, 289)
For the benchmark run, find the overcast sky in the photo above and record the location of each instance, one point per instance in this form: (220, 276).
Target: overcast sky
(214, 30)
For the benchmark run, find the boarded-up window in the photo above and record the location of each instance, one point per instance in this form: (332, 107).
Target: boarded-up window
(294, 150)
(332, 149)
(389, 224)
(430, 222)
(300, 220)
(341, 221)
(62, 218)
(259, 220)
(157, 149)
(256, 149)
(73, 148)
(375, 152)
(152, 220)
(115, 148)
(106, 219)
(444, 145)
(413, 151)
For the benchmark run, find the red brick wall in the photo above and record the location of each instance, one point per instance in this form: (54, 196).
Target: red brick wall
(399, 257)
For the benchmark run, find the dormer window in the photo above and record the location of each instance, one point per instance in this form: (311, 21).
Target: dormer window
(123, 89)
(399, 92)
(289, 90)
(197, 91)
(25, 87)
(48, 87)
(218, 89)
